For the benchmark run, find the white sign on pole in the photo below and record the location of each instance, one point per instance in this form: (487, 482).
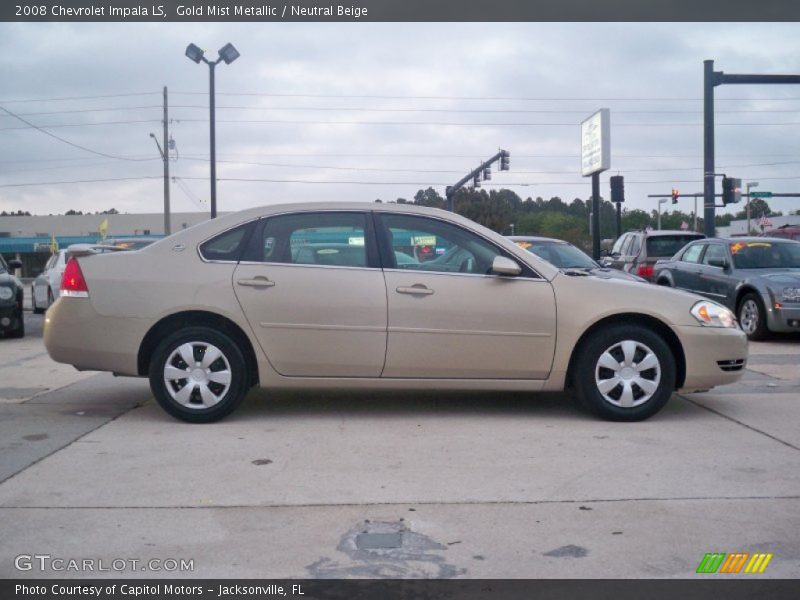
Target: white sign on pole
(596, 143)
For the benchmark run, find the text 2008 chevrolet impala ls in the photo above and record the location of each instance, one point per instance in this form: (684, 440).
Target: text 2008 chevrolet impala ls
(347, 295)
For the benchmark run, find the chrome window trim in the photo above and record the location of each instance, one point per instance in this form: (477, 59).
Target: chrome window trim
(486, 275)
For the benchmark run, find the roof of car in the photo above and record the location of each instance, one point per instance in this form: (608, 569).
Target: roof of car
(658, 232)
(535, 238)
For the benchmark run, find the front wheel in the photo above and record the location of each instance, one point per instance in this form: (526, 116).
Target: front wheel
(198, 374)
(752, 317)
(624, 373)
(19, 330)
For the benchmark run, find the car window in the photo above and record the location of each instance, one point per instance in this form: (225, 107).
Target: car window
(692, 253)
(50, 262)
(766, 255)
(635, 247)
(667, 245)
(623, 251)
(324, 238)
(714, 252)
(226, 246)
(3, 265)
(617, 248)
(438, 246)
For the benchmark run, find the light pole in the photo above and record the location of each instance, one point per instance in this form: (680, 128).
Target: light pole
(749, 185)
(228, 54)
(660, 202)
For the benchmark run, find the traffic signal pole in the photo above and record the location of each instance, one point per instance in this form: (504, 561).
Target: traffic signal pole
(596, 215)
(476, 174)
(712, 79)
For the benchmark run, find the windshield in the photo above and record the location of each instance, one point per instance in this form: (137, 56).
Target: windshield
(560, 254)
(668, 245)
(766, 255)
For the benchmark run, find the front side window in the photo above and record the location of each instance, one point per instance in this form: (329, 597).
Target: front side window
(325, 238)
(692, 253)
(715, 252)
(423, 244)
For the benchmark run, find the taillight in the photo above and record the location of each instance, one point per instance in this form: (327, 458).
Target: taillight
(645, 271)
(72, 281)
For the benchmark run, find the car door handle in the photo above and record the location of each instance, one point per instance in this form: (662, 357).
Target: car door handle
(415, 290)
(256, 282)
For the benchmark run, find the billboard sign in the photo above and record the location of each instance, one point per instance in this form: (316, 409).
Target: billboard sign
(596, 143)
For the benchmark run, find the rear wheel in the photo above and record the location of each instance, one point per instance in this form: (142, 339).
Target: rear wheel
(624, 373)
(19, 330)
(752, 317)
(198, 374)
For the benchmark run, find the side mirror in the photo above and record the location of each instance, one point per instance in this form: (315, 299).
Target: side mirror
(718, 262)
(505, 266)
(604, 253)
(14, 264)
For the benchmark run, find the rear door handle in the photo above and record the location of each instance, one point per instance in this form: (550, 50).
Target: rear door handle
(415, 290)
(256, 282)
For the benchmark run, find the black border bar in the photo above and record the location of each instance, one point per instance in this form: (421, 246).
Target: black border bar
(399, 10)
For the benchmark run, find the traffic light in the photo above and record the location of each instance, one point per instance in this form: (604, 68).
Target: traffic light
(731, 190)
(487, 173)
(476, 181)
(505, 160)
(617, 188)
(675, 194)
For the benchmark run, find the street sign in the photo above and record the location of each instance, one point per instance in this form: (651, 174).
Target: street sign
(761, 194)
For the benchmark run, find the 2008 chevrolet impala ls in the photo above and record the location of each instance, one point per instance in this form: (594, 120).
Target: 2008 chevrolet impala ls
(379, 296)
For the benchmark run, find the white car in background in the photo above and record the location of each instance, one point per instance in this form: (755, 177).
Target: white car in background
(45, 288)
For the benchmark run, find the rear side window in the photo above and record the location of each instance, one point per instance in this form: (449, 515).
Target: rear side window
(668, 245)
(635, 247)
(227, 246)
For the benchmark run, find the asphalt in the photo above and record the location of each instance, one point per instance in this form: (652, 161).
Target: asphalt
(445, 485)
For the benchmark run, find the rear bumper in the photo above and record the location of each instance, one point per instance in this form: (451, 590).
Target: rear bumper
(714, 356)
(75, 334)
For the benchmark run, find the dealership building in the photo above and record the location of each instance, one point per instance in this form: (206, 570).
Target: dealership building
(29, 238)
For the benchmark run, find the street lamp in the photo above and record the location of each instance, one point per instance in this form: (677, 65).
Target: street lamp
(749, 185)
(660, 202)
(227, 54)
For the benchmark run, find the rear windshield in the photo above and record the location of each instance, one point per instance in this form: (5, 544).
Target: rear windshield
(668, 245)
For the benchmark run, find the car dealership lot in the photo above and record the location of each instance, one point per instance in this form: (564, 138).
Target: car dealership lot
(445, 485)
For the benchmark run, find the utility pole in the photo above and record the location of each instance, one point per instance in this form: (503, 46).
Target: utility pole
(165, 157)
(164, 152)
(596, 215)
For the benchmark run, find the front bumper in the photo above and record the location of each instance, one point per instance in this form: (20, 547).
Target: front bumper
(784, 319)
(714, 356)
(9, 315)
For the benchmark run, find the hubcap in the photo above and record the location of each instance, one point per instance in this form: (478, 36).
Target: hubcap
(197, 375)
(627, 374)
(748, 316)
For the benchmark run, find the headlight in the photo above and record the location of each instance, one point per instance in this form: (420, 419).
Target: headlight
(713, 315)
(791, 294)
(6, 293)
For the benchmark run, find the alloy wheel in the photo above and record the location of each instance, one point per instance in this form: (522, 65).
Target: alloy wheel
(748, 316)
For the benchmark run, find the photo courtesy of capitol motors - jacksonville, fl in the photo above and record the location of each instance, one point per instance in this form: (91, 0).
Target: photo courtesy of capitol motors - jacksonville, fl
(399, 299)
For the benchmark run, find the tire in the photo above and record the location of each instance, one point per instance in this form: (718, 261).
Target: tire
(614, 355)
(19, 332)
(664, 282)
(209, 399)
(50, 299)
(753, 317)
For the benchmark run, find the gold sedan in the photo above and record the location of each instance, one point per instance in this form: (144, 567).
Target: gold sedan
(354, 295)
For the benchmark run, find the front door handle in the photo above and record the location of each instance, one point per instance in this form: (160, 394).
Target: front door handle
(415, 290)
(256, 282)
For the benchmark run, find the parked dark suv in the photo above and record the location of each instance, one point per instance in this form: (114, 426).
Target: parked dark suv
(637, 251)
(12, 323)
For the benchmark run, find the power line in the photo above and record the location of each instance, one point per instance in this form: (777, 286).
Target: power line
(92, 110)
(33, 183)
(62, 125)
(65, 98)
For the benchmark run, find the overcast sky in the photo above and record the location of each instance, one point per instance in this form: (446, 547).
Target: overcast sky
(649, 75)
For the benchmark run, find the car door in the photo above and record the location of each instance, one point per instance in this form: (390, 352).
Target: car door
(687, 268)
(716, 281)
(311, 287)
(458, 320)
